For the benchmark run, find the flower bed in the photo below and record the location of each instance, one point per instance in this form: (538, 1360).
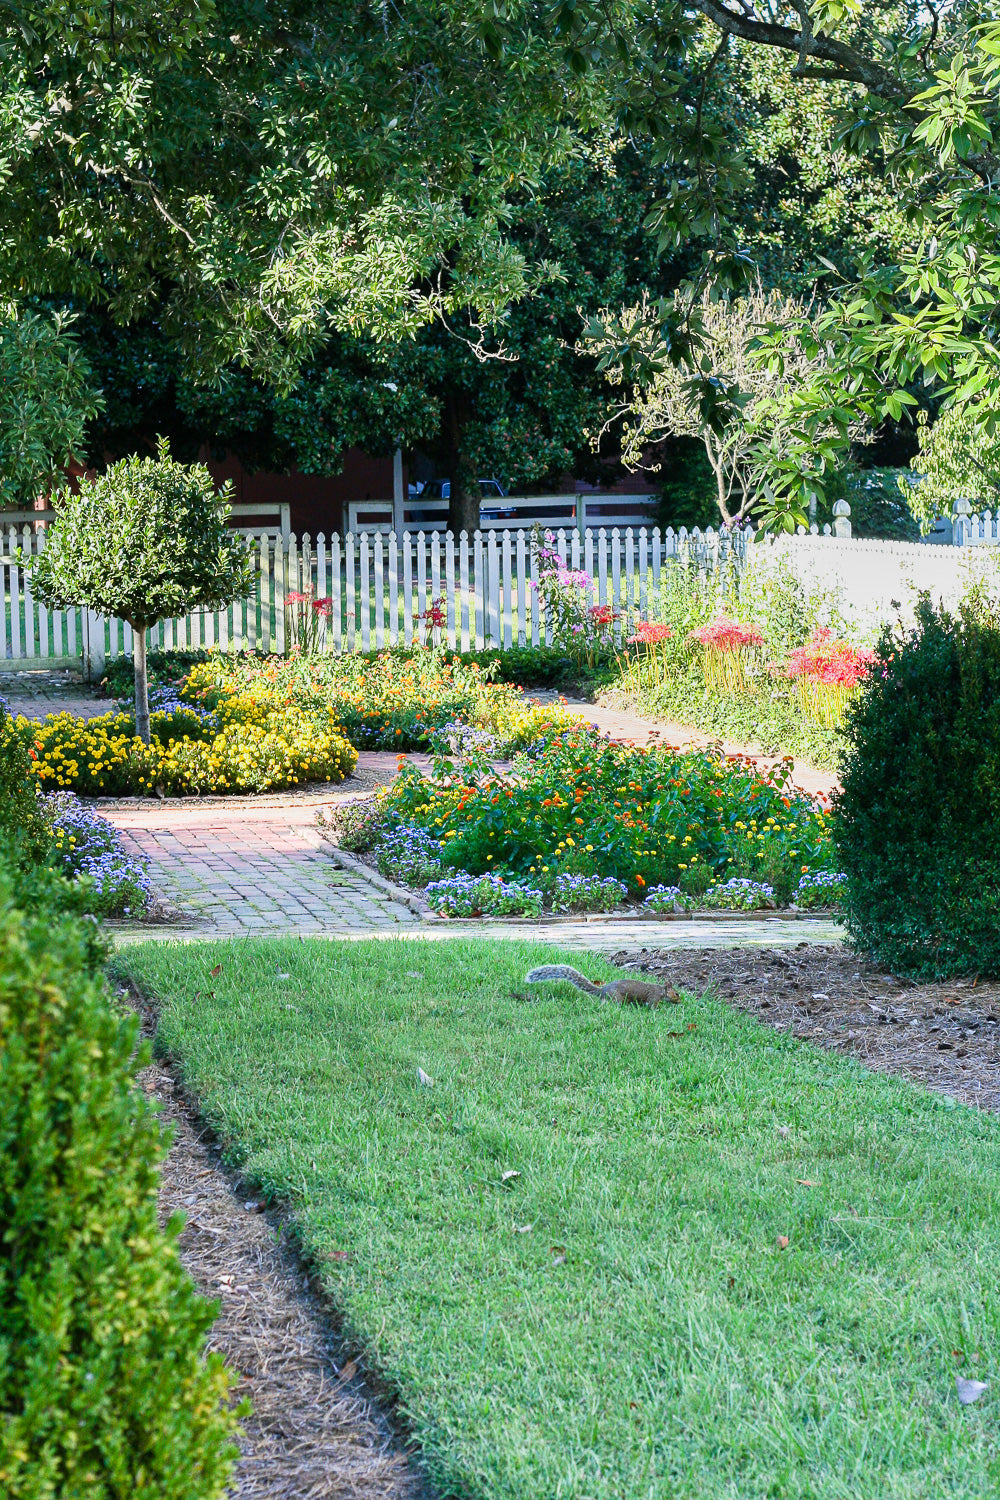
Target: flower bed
(588, 824)
(394, 700)
(246, 749)
(249, 724)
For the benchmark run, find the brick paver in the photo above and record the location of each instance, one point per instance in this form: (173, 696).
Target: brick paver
(238, 869)
(37, 693)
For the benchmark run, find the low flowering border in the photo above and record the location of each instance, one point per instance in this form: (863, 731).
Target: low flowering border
(465, 895)
(825, 888)
(87, 847)
(668, 900)
(739, 894)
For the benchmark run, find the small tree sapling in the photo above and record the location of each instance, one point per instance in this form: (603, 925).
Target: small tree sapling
(145, 541)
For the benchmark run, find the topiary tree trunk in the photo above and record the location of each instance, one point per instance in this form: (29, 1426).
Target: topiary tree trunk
(141, 681)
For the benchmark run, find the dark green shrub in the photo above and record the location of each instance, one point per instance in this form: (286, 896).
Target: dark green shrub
(104, 1391)
(918, 819)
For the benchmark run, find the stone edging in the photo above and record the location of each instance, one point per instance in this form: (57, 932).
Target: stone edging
(315, 793)
(398, 893)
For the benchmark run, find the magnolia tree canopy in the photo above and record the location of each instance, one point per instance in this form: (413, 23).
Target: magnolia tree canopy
(257, 174)
(146, 541)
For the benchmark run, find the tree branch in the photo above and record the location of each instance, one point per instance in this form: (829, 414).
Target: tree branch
(856, 67)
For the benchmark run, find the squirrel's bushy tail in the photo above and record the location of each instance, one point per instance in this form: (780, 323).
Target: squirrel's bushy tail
(548, 972)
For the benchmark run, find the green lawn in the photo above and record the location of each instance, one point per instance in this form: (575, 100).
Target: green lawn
(616, 1322)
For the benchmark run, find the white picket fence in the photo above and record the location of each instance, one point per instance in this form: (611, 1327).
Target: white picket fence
(378, 589)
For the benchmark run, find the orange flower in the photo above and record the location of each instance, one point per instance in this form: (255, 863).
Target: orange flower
(639, 880)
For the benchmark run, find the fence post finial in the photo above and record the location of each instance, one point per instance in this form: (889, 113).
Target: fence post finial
(842, 518)
(960, 522)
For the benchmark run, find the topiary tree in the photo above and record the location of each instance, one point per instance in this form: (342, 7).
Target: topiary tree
(918, 818)
(146, 541)
(105, 1390)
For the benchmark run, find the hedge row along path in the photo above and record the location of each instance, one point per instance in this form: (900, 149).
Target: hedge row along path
(232, 866)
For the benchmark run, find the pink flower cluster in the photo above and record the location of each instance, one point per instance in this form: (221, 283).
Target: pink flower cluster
(828, 660)
(649, 634)
(322, 607)
(727, 635)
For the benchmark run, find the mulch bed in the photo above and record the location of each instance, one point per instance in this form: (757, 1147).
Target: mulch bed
(944, 1036)
(317, 1429)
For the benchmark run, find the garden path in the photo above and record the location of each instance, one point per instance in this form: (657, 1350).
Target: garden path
(37, 693)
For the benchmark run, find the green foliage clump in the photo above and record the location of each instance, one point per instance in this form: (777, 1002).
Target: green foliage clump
(46, 399)
(18, 798)
(918, 818)
(959, 459)
(104, 1388)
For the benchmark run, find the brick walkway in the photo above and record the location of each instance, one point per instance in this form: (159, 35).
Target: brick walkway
(261, 869)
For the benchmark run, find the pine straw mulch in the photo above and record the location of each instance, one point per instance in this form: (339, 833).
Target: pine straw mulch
(945, 1036)
(316, 1428)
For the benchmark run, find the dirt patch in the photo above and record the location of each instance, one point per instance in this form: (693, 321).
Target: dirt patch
(944, 1036)
(316, 1429)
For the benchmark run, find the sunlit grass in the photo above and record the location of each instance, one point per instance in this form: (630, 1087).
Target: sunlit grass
(619, 1319)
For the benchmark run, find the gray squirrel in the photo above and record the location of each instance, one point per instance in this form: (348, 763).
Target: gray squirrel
(624, 991)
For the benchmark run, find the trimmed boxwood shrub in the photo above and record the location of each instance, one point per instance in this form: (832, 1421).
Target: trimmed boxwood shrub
(104, 1389)
(917, 821)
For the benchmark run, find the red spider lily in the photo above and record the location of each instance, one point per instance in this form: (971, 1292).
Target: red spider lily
(727, 635)
(436, 614)
(296, 598)
(603, 614)
(829, 661)
(323, 607)
(649, 634)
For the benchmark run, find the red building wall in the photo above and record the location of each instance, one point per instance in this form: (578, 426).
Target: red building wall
(317, 504)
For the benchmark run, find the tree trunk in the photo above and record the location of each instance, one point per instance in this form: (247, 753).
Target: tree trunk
(141, 683)
(463, 505)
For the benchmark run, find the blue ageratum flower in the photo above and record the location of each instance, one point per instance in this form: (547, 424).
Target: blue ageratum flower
(739, 894)
(410, 855)
(465, 895)
(87, 846)
(825, 888)
(587, 893)
(667, 898)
